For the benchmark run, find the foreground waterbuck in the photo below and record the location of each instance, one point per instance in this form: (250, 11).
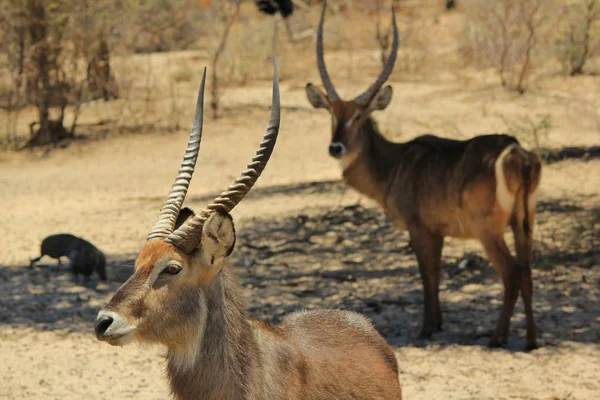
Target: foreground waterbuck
(435, 187)
(183, 295)
(84, 257)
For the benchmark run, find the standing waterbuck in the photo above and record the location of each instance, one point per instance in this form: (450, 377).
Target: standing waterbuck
(435, 187)
(183, 295)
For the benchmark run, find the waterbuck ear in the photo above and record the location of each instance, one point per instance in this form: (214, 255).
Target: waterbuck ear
(183, 216)
(316, 97)
(218, 239)
(382, 98)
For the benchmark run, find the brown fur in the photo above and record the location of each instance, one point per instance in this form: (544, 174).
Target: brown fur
(214, 352)
(435, 187)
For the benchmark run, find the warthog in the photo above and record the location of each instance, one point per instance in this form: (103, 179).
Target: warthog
(85, 258)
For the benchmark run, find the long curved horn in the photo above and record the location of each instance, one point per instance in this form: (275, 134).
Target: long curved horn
(165, 223)
(333, 96)
(365, 98)
(188, 236)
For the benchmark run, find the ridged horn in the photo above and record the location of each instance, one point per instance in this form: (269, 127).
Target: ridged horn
(365, 98)
(165, 223)
(188, 236)
(331, 93)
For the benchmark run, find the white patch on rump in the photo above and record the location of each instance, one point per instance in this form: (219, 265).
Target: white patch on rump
(505, 198)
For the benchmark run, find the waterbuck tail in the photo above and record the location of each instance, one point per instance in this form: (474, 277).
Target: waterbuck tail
(526, 187)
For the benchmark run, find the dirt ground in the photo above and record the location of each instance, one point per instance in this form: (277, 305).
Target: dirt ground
(304, 241)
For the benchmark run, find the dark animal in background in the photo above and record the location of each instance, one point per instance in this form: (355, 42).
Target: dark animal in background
(85, 258)
(271, 7)
(55, 246)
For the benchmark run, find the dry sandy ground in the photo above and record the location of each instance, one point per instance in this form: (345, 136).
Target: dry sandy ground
(109, 192)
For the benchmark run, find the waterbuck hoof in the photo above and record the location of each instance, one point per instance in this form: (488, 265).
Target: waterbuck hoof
(495, 343)
(426, 334)
(531, 346)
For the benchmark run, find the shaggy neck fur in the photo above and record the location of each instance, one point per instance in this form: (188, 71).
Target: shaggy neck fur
(370, 172)
(224, 351)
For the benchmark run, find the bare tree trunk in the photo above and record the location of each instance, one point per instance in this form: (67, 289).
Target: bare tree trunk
(76, 108)
(590, 17)
(43, 59)
(215, 61)
(21, 58)
(530, 44)
(40, 81)
(505, 42)
(101, 83)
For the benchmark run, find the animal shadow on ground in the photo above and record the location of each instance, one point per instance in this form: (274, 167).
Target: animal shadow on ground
(352, 258)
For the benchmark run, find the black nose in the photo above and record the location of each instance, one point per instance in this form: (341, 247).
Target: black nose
(336, 149)
(102, 324)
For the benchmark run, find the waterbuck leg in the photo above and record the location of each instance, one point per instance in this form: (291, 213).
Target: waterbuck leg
(523, 245)
(506, 267)
(428, 248)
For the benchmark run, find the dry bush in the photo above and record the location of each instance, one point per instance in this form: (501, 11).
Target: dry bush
(228, 13)
(414, 51)
(579, 35)
(251, 51)
(69, 65)
(162, 25)
(41, 72)
(255, 38)
(155, 89)
(244, 41)
(414, 28)
(56, 55)
(506, 35)
(155, 80)
(183, 73)
(360, 51)
(532, 131)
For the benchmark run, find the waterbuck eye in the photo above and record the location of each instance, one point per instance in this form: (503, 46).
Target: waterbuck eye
(357, 117)
(171, 269)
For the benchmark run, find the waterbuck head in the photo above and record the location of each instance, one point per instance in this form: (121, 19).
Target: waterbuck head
(347, 117)
(163, 301)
